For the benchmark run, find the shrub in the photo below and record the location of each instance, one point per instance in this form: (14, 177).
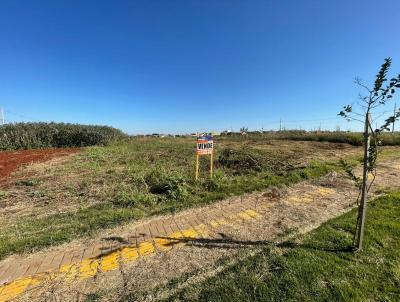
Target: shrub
(173, 185)
(352, 138)
(46, 135)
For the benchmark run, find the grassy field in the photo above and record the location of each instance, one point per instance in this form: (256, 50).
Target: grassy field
(51, 203)
(318, 266)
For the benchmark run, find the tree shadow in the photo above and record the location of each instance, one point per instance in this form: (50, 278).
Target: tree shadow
(227, 242)
(116, 238)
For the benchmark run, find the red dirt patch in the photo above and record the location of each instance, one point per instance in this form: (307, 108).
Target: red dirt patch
(11, 160)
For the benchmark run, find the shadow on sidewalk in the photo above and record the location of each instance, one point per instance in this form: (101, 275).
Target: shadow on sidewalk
(227, 242)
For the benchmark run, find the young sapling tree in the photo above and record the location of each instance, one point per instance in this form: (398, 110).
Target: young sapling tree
(375, 97)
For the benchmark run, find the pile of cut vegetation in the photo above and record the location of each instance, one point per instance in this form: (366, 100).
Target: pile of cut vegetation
(246, 160)
(46, 135)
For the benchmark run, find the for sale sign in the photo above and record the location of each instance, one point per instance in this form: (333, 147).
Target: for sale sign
(205, 145)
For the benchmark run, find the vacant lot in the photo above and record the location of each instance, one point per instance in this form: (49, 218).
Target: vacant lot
(84, 196)
(69, 197)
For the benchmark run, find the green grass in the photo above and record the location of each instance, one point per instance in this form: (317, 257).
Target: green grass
(318, 266)
(135, 180)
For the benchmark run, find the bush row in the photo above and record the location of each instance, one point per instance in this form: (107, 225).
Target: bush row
(46, 135)
(352, 138)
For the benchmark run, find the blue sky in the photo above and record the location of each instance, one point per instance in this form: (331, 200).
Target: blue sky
(181, 66)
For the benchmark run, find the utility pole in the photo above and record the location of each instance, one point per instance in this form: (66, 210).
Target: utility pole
(280, 125)
(364, 189)
(394, 114)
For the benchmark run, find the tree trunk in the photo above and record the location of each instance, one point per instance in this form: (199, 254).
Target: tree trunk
(364, 192)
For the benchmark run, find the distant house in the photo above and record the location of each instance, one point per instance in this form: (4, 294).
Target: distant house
(226, 132)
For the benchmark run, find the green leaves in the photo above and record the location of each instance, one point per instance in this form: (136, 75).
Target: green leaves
(348, 168)
(390, 120)
(346, 110)
(381, 76)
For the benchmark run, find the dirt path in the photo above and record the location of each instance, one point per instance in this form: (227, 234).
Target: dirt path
(11, 160)
(142, 256)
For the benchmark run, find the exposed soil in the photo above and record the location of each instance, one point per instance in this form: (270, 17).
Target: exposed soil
(12, 160)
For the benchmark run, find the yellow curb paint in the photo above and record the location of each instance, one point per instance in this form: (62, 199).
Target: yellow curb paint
(163, 244)
(214, 223)
(301, 199)
(222, 221)
(311, 196)
(245, 216)
(146, 248)
(88, 268)
(70, 271)
(253, 214)
(176, 235)
(16, 288)
(202, 230)
(109, 262)
(178, 238)
(190, 233)
(232, 219)
(326, 191)
(129, 253)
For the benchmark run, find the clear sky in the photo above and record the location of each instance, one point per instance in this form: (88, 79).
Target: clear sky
(191, 65)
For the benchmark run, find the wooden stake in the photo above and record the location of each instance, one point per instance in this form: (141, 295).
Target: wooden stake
(197, 166)
(211, 164)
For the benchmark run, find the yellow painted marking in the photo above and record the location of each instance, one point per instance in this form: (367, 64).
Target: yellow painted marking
(202, 230)
(190, 233)
(234, 218)
(222, 221)
(16, 287)
(326, 191)
(245, 216)
(70, 271)
(310, 196)
(253, 214)
(178, 236)
(214, 223)
(88, 268)
(300, 199)
(110, 262)
(129, 253)
(163, 243)
(146, 248)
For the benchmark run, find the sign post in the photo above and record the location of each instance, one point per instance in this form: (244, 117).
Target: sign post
(204, 146)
